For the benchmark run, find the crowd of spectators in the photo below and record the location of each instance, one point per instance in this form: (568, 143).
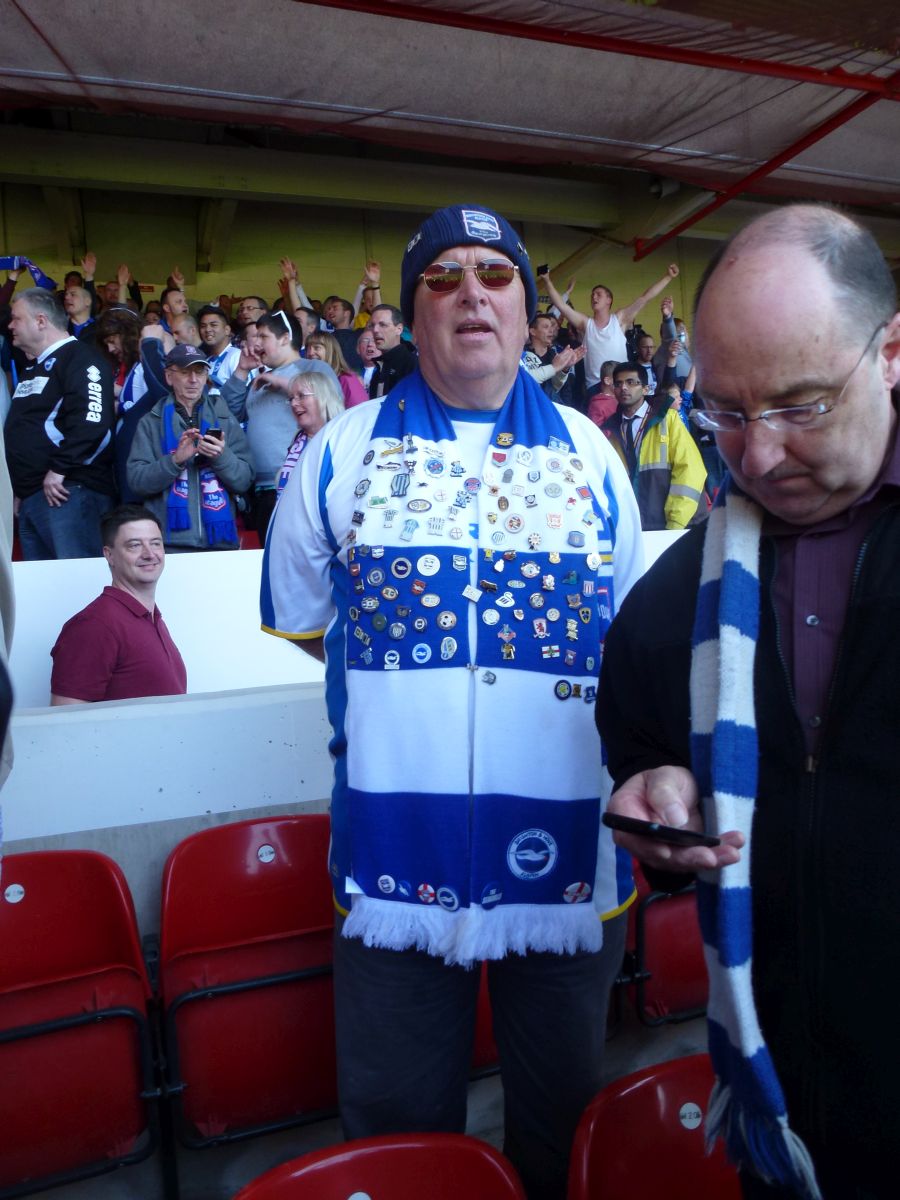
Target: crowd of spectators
(201, 401)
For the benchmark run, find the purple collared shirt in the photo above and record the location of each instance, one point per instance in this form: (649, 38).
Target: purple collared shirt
(811, 591)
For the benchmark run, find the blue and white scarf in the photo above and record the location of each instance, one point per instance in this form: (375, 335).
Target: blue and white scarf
(15, 262)
(215, 510)
(747, 1107)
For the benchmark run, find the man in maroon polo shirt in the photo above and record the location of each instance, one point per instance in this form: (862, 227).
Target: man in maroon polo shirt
(119, 647)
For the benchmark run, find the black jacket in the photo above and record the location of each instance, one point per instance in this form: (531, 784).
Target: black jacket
(61, 419)
(393, 366)
(826, 841)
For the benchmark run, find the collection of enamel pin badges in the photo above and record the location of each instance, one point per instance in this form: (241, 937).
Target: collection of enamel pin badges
(543, 602)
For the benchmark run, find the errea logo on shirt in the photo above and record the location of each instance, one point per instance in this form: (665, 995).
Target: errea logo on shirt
(95, 396)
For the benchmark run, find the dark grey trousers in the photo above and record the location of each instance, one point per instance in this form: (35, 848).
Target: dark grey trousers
(405, 1025)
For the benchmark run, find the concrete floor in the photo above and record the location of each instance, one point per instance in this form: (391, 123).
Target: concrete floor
(220, 1172)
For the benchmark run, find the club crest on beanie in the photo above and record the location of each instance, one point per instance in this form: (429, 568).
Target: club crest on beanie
(462, 225)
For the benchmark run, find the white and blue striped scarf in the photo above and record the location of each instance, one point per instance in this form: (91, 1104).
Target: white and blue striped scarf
(747, 1107)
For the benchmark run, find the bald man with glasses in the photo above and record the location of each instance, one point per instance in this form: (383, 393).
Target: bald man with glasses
(455, 553)
(749, 688)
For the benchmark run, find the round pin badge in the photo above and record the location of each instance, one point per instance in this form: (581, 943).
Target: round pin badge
(455, 533)
(420, 624)
(563, 690)
(397, 631)
(554, 464)
(446, 619)
(490, 616)
(419, 506)
(389, 592)
(368, 458)
(532, 854)
(421, 653)
(386, 884)
(553, 490)
(426, 893)
(491, 894)
(553, 614)
(514, 523)
(428, 564)
(430, 600)
(536, 600)
(472, 485)
(376, 577)
(447, 898)
(401, 568)
(530, 570)
(577, 893)
(379, 622)
(369, 603)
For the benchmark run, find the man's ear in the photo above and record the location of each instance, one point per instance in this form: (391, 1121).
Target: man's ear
(107, 552)
(890, 352)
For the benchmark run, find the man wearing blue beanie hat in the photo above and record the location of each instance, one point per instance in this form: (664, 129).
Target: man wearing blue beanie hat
(455, 553)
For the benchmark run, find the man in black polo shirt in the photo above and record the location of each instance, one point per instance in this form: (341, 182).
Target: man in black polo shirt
(59, 433)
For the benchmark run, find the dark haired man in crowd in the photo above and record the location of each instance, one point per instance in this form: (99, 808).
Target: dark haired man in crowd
(174, 304)
(660, 456)
(216, 338)
(398, 357)
(466, 519)
(251, 308)
(119, 648)
(754, 670)
(59, 439)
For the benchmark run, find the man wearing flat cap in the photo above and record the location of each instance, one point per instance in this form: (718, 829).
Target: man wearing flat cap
(454, 553)
(189, 459)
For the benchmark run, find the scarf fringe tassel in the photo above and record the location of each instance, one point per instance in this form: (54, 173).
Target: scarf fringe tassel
(770, 1150)
(474, 934)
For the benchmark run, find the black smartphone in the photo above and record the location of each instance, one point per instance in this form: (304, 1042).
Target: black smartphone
(543, 269)
(661, 833)
(215, 432)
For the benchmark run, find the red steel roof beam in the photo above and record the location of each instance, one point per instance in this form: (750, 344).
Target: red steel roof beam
(882, 87)
(859, 105)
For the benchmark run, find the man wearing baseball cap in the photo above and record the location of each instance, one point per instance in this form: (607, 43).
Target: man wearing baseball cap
(189, 458)
(455, 553)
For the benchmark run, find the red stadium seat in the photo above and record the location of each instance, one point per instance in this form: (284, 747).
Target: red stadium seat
(439, 1166)
(76, 1063)
(643, 1136)
(668, 970)
(245, 978)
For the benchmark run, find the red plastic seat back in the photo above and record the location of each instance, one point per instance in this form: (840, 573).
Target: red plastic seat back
(643, 1136)
(70, 947)
(399, 1167)
(246, 882)
(64, 913)
(664, 935)
(243, 902)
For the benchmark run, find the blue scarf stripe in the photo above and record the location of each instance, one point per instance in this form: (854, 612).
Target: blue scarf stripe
(613, 504)
(725, 759)
(753, 1080)
(726, 929)
(734, 759)
(425, 417)
(739, 600)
